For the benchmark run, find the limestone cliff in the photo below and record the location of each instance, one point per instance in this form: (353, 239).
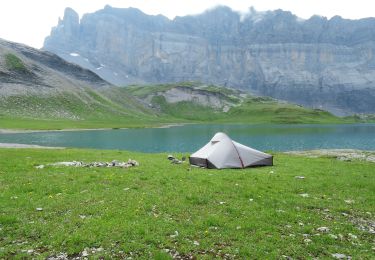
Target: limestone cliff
(320, 63)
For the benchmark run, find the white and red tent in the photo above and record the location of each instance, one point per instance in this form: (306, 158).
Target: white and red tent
(222, 152)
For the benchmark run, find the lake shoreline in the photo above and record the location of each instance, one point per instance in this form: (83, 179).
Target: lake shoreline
(22, 131)
(342, 154)
(29, 146)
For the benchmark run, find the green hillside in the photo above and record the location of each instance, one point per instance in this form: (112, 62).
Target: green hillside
(242, 107)
(141, 106)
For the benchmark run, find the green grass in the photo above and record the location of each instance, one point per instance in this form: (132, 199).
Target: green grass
(246, 214)
(14, 63)
(258, 110)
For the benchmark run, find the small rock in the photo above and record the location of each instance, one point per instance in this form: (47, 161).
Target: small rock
(339, 256)
(307, 240)
(39, 209)
(222, 202)
(133, 162)
(304, 195)
(176, 161)
(30, 251)
(332, 236)
(114, 163)
(175, 234)
(323, 229)
(84, 253)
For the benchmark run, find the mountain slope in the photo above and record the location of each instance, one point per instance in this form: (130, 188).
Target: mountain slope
(321, 63)
(39, 88)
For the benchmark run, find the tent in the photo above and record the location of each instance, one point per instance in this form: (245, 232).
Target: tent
(222, 152)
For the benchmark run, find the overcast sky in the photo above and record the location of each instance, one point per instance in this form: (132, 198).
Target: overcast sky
(30, 21)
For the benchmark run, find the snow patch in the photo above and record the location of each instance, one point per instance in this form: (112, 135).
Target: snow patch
(74, 54)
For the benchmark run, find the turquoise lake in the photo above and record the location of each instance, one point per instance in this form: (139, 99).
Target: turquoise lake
(189, 138)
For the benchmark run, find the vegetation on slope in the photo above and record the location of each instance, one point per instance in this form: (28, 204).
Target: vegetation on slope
(244, 108)
(158, 209)
(139, 106)
(13, 63)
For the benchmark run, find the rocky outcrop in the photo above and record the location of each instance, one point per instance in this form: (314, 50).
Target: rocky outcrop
(321, 63)
(196, 95)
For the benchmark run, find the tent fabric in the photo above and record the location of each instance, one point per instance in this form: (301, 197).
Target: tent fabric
(222, 152)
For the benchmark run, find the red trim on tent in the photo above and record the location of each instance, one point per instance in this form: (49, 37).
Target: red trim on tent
(239, 157)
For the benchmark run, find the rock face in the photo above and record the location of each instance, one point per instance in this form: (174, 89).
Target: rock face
(320, 63)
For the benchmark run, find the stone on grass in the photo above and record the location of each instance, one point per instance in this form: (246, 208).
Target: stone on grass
(323, 229)
(333, 236)
(113, 163)
(84, 253)
(39, 209)
(175, 234)
(340, 256)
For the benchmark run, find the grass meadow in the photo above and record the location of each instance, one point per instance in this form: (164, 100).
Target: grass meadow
(161, 211)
